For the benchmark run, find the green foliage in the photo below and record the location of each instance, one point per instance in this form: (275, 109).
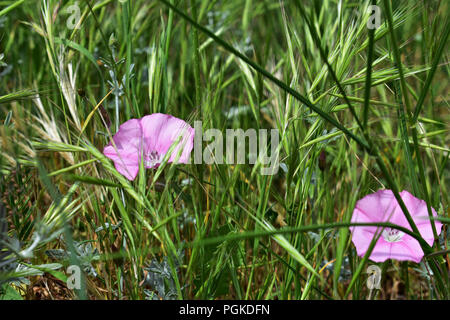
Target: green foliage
(357, 110)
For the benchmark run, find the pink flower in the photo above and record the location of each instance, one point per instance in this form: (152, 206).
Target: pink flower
(382, 206)
(149, 139)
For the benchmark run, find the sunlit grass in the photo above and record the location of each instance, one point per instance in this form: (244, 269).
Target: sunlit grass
(357, 109)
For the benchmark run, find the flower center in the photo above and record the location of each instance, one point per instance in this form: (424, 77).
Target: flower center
(153, 159)
(392, 235)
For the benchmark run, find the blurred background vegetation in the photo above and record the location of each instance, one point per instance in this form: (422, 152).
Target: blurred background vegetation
(72, 71)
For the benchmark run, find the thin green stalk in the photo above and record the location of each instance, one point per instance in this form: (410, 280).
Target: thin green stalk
(426, 86)
(368, 76)
(288, 230)
(324, 57)
(196, 57)
(267, 74)
(11, 7)
(397, 58)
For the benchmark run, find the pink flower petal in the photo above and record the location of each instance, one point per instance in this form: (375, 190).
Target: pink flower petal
(382, 206)
(377, 206)
(152, 125)
(362, 238)
(149, 139)
(125, 150)
(412, 245)
(126, 163)
(418, 210)
(161, 131)
(129, 136)
(381, 252)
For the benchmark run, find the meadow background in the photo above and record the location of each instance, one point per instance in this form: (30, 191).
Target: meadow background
(218, 231)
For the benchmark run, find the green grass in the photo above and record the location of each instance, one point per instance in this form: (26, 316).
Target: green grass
(374, 103)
